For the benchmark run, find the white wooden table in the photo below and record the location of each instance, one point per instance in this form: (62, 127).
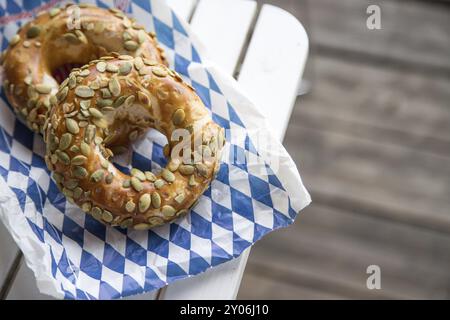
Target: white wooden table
(265, 49)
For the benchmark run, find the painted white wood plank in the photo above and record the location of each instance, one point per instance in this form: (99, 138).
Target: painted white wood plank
(183, 8)
(261, 83)
(223, 27)
(274, 65)
(8, 252)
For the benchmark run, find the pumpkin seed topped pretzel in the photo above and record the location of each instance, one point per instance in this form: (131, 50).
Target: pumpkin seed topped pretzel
(61, 36)
(117, 100)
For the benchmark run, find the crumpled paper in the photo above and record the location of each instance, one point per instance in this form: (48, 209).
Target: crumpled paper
(258, 188)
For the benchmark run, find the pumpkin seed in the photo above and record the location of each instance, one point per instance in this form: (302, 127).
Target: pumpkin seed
(126, 36)
(86, 206)
(130, 206)
(84, 92)
(154, 221)
(110, 67)
(72, 126)
(109, 178)
(150, 176)
(179, 198)
(43, 88)
(126, 223)
(114, 87)
(96, 213)
(84, 73)
(178, 117)
(101, 66)
(106, 93)
(126, 184)
(141, 226)
(168, 175)
(173, 165)
(54, 11)
(68, 193)
(14, 40)
(159, 183)
(95, 113)
(89, 133)
(186, 169)
(202, 169)
(107, 216)
(131, 45)
(77, 193)
(65, 141)
(144, 202)
(136, 184)
(144, 99)
(142, 36)
(80, 172)
(33, 32)
(192, 181)
(156, 200)
(101, 123)
(138, 63)
(125, 68)
(138, 174)
(168, 211)
(79, 160)
(71, 38)
(54, 158)
(62, 94)
(58, 177)
(129, 101)
(97, 176)
(101, 103)
(125, 57)
(74, 149)
(85, 149)
(119, 101)
(72, 81)
(63, 157)
(159, 72)
(71, 184)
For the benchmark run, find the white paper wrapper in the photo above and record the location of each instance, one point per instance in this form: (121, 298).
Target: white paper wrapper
(257, 190)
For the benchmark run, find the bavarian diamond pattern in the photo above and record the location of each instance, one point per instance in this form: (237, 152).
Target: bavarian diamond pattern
(86, 260)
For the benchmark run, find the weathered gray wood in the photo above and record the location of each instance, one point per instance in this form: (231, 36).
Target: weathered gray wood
(372, 140)
(375, 146)
(414, 34)
(333, 249)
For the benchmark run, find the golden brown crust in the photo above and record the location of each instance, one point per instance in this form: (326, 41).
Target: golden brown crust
(56, 38)
(108, 109)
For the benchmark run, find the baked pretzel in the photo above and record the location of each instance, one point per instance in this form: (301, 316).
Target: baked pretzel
(70, 35)
(109, 103)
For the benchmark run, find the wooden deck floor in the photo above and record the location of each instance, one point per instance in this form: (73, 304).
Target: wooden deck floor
(372, 140)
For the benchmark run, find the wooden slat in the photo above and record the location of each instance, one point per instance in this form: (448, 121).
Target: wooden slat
(183, 8)
(223, 27)
(373, 148)
(223, 282)
(274, 65)
(413, 35)
(334, 248)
